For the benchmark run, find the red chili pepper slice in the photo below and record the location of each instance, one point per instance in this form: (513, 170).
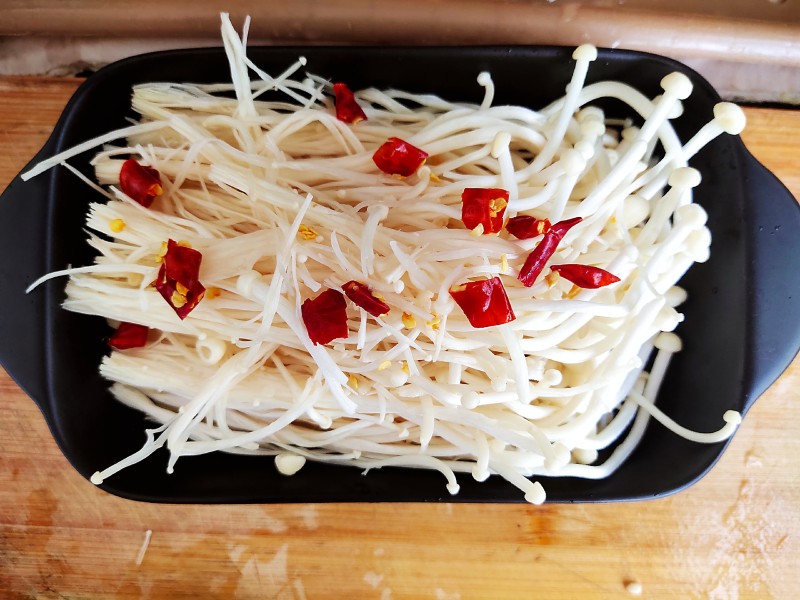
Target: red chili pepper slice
(539, 256)
(141, 183)
(484, 302)
(347, 109)
(524, 227)
(397, 157)
(562, 227)
(325, 317)
(129, 335)
(585, 276)
(484, 206)
(178, 280)
(364, 297)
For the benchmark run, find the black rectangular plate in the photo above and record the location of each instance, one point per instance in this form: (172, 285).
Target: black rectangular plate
(742, 319)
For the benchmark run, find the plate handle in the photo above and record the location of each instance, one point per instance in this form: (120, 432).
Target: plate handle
(773, 226)
(24, 246)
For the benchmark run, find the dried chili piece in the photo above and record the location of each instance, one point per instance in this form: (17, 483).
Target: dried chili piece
(325, 316)
(484, 302)
(139, 182)
(177, 280)
(484, 206)
(364, 297)
(129, 335)
(398, 157)
(347, 109)
(525, 227)
(539, 256)
(562, 227)
(585, 276)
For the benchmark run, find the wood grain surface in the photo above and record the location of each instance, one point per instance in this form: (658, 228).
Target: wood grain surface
(736, 534)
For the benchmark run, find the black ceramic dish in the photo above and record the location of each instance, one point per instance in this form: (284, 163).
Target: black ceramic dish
(742, 325)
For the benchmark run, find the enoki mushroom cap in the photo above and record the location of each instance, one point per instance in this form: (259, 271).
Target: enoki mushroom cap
(676, 110)
(733, 417)
(585, 52)
(669, 342)
(678, 85)
(691, 216)
(685, 177)
(289, 464)
(573, 162)
(730, 118)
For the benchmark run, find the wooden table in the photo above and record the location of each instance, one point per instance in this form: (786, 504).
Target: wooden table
(734, 534)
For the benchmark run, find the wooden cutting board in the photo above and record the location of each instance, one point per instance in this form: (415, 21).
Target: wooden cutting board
(734, 534)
